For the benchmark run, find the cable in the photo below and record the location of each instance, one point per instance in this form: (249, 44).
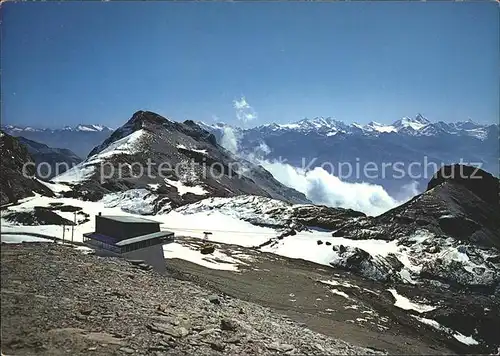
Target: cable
(228, 231)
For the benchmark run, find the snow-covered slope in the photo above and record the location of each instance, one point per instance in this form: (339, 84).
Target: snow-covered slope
(406, 259)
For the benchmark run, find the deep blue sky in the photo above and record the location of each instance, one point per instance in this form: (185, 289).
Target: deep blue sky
(98, 62)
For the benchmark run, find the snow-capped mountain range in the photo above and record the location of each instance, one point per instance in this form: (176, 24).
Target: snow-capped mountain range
(418, 126)
(77, 128)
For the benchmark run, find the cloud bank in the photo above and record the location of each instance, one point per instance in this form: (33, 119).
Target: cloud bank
(229, 140)
(323, 188)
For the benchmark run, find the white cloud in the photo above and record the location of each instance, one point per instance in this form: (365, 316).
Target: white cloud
(241, 104)
(244, 112)
(323, 188)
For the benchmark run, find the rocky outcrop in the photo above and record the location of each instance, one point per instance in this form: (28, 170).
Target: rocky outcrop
(463, 206)
(451, 232)
(325, 217)
(477, 181)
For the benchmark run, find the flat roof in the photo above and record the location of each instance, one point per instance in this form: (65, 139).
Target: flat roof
(100, 237)
(145, 237)
(129, 219)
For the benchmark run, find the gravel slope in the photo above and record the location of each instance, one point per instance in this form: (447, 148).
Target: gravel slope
(57, 300)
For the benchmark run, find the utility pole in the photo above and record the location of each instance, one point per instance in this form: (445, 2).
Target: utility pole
(73, 226)
(64, 231)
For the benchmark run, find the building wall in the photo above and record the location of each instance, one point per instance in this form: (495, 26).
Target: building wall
(152, 255)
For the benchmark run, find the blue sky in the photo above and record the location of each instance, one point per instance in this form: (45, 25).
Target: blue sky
(99, 62)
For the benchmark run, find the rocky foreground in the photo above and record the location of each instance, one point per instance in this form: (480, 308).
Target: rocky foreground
(57, 300)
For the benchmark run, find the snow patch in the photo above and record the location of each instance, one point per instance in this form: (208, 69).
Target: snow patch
(338, 292)
(343, 284)
(127, 145)
(17, 239)
(55, 187)
(467, 340)
(85, 169)
(404, 303)
(183, 189)
(78, 173)
(217, 260)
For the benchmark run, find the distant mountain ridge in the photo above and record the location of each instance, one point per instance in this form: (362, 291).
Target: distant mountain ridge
(50, 161)
(18, 180)
(79, 139)
(329, 126)
(79, 127)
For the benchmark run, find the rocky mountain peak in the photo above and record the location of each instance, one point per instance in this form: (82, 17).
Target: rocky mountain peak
(478, 181)
(413, 124)
(420, 118)
(146, 117)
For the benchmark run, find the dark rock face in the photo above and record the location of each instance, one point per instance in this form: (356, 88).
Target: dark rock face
(16, 184)
(50, 161)
(459, 227)
(207, 249)
(39, 216)
(325, 217)
(464, 208)
(479, 182)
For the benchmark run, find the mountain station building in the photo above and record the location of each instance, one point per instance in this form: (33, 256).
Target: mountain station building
(129, 237)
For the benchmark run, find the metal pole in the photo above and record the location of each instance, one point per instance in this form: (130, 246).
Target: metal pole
(73, 227)
(64, 230)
